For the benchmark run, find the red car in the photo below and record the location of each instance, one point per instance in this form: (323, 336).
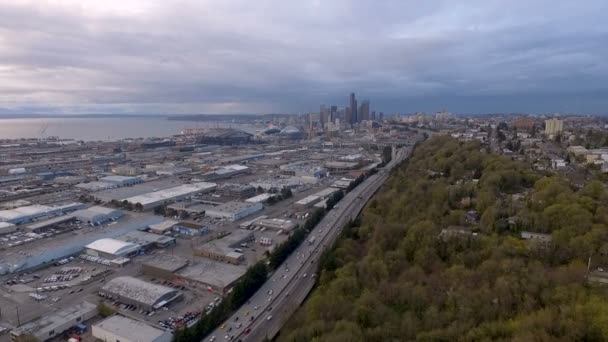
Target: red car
(248, 331)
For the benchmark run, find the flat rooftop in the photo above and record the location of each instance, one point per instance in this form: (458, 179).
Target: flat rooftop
(144, 238)
(232, 207)
(137, 189)
(48, 223)
(129, 329)
(57, 319)
(138, 290)
(214, 273)
(170, 193)
(170, 263)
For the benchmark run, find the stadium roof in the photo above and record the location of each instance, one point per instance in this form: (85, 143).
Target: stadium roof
(290, 130)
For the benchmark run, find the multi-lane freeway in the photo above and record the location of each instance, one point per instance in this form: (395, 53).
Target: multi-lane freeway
(270, 307)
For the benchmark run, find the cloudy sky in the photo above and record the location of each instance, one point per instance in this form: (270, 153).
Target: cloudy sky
(244, 56)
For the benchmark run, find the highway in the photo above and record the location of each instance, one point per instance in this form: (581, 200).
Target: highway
(272, 305)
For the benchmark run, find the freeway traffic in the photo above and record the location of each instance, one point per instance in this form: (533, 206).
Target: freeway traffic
(268, 309)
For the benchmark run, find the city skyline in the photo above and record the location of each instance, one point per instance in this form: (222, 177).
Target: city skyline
(78, 57)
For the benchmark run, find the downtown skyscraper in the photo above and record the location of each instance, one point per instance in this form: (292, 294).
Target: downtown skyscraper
(363, 111)
(353, 110)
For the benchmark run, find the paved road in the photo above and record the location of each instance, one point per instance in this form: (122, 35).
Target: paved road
(271, 306)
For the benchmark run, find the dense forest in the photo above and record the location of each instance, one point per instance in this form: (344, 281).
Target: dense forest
(438, 255)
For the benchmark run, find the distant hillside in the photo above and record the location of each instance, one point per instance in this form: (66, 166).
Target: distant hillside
(438, 256)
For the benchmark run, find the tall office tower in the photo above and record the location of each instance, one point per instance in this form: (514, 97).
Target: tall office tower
(333, 113)
(353, 109)
(341, 114)
(380, 116)
(324, 115)
(348, 115)
(373, 115)
(364, 111)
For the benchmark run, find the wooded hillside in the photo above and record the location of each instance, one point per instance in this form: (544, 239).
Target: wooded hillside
(438, 256)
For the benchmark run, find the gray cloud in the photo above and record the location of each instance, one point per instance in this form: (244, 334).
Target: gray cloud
(271, 55)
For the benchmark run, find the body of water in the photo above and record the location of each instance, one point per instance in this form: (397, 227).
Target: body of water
(93, 129)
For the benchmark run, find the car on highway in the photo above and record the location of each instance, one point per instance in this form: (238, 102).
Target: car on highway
(269, 318)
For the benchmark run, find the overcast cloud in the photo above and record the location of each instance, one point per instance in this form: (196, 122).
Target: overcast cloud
(244, 56)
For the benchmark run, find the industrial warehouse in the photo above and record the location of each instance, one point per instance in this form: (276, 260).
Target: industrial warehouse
(140, 293)
(160, 197)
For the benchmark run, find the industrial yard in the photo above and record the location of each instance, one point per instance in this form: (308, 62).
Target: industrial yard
(153, 234)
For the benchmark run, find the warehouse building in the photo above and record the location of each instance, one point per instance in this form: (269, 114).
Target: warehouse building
(33, 212)
(163, 266)
(261, 198)
(343, 183)
(210, 275)
(233, 211)
(46, 225)
(123, 329)
(95, 186)
(224, 249)
(308, 201)
(6, 228)
(326, 192)
(162, 227)
(121, 180)
(338, 166)
(165, 196)
(55, 324)
(97, 215)
(225, 172)
(236, 191)
(276, 224)
(112, 248)
(147, 241)
(145, 295)
(190, 228)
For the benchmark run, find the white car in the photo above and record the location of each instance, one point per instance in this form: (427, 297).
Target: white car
(269, 318)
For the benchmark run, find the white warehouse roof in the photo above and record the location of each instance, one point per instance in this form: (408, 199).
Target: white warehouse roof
(112, 246)
(171, 193)
(128, 329)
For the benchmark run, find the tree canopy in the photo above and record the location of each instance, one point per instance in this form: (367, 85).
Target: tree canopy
(398, 274)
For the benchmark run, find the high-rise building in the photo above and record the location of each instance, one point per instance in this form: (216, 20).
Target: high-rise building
(333, 112)
(553, 126)
(380, 116)
(324, 115)
(353, 109)
(373, 116)
(364, 111)
(348, 115)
